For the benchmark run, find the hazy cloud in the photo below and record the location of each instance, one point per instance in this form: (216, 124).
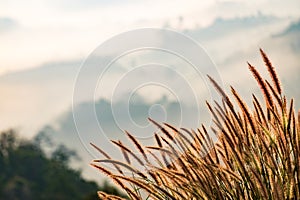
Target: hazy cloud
(7, 24)
(100, 121)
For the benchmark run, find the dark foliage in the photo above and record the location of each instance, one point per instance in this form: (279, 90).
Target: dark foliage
(26, 172)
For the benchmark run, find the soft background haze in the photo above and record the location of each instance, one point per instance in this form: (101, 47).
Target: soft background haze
(43, 44)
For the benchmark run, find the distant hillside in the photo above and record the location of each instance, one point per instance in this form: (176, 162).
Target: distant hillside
(222, 26)
(77, 134)
(292, 28)
(292, 32)
(27, 173)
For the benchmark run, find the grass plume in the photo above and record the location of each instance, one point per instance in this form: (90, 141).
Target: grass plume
(256, 155)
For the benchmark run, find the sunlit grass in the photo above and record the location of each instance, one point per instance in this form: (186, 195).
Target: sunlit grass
(256, 155)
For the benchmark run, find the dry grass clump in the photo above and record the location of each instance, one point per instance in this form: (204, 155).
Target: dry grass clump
(256, 155)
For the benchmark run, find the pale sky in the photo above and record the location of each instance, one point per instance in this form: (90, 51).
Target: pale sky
(35, 32)
(62, 34)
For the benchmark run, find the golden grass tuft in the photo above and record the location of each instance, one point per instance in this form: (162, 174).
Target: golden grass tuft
(256, 155)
